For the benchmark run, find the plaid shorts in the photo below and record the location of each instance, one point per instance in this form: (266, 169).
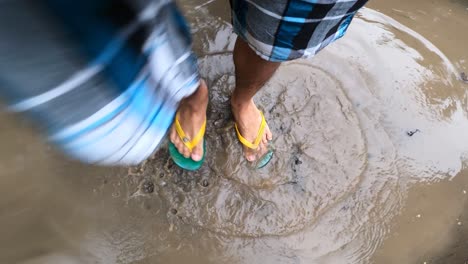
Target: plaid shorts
(281, 30)
(102, 78)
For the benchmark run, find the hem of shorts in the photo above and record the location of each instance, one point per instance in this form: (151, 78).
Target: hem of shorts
(257, 51)
(194, 87)
(265, 55)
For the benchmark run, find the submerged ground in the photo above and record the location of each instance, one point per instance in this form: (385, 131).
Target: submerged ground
(371, 161)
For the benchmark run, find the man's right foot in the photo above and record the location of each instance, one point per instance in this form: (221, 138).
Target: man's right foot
(248, 120)
(192, 115)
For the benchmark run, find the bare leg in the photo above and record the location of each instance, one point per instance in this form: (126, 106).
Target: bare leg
(252, 72)
(192, 114)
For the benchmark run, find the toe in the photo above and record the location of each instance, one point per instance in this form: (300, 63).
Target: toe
(180, 147)
(249, 154)
(197, 152)
(173, 136)
(250, 157)
(268, 133)
(186, 153)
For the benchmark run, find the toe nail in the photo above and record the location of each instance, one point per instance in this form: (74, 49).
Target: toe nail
(196, 157)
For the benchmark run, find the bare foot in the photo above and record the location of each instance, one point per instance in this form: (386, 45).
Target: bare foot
(192, 114)
(248, 121)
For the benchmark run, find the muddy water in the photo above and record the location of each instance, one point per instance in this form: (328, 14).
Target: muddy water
(348, 184)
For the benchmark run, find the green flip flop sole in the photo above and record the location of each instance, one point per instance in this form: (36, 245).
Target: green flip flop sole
(183, 162)
(264, 160)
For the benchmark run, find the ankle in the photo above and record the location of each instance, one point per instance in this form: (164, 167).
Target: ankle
(242, 108)
(241, 103)
(198, 101)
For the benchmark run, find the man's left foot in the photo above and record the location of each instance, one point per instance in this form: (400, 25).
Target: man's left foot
(248, 120)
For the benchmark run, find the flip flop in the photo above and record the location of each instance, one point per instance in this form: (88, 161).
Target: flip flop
(179, 159)
(266, 158)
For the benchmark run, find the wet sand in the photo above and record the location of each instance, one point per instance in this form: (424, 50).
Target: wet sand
(349, 182)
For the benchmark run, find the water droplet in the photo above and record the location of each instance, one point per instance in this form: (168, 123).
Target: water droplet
(418, 216)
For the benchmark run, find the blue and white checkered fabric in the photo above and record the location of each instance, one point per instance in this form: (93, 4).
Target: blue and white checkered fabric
(281, 30)
(102, 78)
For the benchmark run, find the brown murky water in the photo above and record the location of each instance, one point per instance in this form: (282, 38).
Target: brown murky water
(348, 184)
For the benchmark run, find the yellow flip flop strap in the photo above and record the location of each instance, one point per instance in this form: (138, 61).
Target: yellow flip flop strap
(190, 144)
(255, 144)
